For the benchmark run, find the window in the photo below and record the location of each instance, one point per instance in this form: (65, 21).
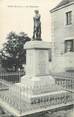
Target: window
(69, 46)
(69, 18)
(50, 55)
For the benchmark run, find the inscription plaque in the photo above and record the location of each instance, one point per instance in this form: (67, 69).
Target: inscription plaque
(41, 64)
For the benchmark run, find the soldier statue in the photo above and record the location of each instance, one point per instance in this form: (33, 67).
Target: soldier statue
(37, 26)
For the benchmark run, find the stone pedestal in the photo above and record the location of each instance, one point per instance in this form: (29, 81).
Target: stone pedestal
(37, 81)
(37, 91)
(37, 58)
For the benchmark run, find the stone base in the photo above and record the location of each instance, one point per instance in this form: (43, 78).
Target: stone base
(38, 88)
(38, 85)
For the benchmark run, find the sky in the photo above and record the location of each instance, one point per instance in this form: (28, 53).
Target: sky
(17, 16)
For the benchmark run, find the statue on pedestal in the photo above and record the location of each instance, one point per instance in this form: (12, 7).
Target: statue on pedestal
(37, 26)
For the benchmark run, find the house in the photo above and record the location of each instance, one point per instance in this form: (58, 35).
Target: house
(62, 29)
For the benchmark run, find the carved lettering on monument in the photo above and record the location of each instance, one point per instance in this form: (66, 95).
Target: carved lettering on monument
(41, 64)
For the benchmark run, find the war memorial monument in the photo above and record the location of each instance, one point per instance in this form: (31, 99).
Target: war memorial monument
(37, 92)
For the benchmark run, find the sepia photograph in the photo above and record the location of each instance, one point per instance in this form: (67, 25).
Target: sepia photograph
(37, 58)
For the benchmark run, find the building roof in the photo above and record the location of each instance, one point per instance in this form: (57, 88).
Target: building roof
(62, 3)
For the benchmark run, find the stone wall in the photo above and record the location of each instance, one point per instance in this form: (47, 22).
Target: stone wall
(61, 32)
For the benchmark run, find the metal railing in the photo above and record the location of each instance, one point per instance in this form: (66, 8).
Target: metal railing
(17, 98)
(17, 102)
(11, 76)
(66, 80)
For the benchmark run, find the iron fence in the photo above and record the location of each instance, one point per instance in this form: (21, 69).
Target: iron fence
(22, 99)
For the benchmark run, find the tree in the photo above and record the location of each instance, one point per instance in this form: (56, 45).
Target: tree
(13, 54)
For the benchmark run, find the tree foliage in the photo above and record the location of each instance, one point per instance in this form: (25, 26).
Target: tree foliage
(13, 54)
